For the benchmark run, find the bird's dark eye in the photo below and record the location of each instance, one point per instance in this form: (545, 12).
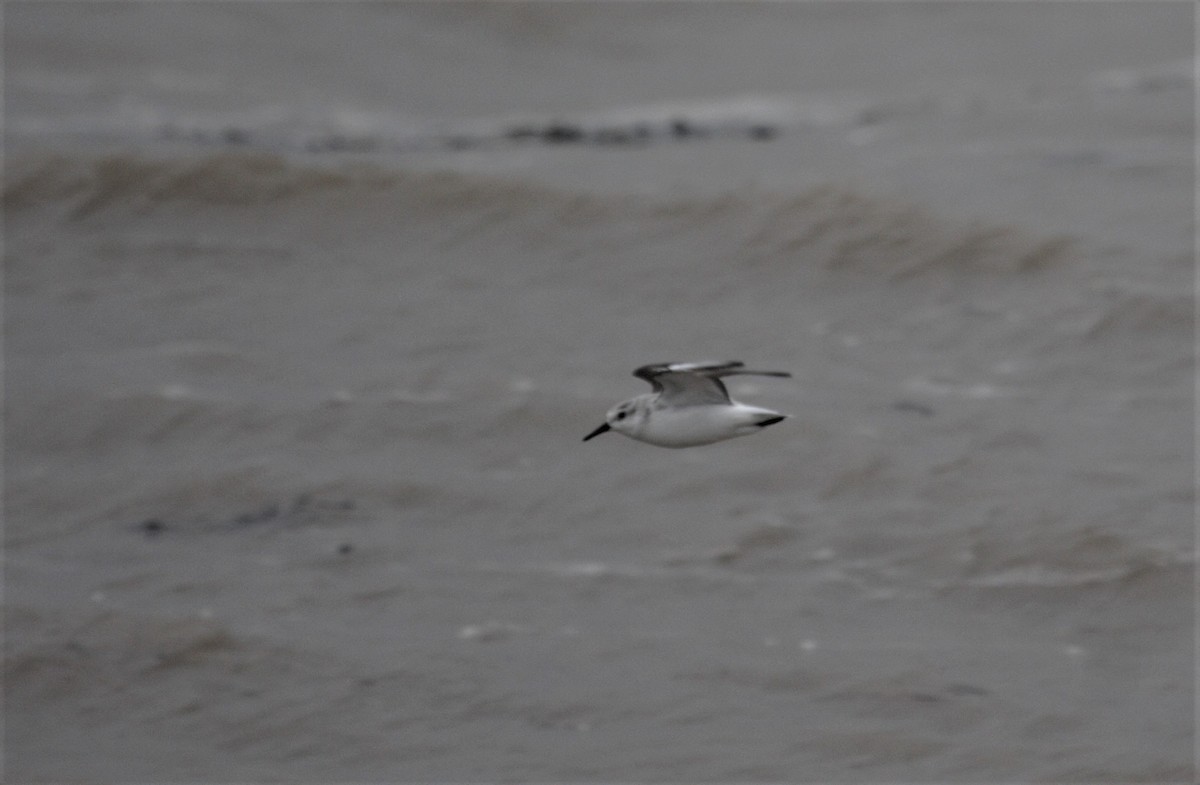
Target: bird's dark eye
(620, 415)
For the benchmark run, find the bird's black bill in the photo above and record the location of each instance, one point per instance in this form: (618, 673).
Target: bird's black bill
(598, 431)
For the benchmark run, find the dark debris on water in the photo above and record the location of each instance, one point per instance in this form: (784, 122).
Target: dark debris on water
(302, 508)
(676, 129)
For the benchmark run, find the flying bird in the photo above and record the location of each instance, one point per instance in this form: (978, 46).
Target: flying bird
(688, 407)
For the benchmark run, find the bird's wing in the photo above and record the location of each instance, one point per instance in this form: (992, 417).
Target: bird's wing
(695, 384)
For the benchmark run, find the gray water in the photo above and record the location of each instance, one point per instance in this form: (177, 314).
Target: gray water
(308, 306)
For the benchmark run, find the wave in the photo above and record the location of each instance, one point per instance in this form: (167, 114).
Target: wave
(832, 227)
(1170, 75)
(90, 185)
(752, 116)
(852, 231)
(1084, 559)
(1139, 310)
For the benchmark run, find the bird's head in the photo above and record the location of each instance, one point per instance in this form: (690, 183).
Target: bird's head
(625, 417)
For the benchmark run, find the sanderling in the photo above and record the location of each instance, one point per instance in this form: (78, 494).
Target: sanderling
(689, 406)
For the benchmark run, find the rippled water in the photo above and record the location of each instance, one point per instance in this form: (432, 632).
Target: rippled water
(301, 343)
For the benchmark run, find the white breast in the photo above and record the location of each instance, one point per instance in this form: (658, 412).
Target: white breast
(689, 426)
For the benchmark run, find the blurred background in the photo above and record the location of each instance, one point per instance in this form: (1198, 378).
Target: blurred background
(308, 306)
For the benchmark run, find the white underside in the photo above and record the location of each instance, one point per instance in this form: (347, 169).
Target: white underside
(694, 425)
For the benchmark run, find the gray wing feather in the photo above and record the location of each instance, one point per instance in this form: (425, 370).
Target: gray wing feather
(695, 384)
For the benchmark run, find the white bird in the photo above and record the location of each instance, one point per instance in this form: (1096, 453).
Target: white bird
(689, 406)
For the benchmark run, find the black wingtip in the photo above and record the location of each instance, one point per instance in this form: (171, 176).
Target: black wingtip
(771, 421)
